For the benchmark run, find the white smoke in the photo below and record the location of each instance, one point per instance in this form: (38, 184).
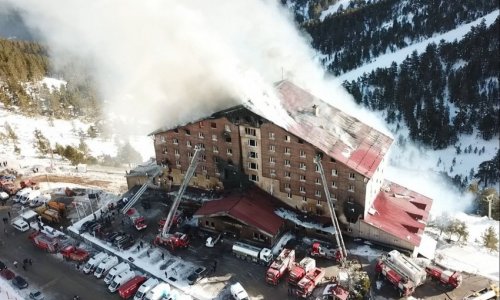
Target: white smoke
(163, 62)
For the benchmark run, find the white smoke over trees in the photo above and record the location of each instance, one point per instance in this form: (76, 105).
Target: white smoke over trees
(163, 62)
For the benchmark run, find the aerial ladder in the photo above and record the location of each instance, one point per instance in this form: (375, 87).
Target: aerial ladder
(333, 215)
(178, 240)
(131, 202)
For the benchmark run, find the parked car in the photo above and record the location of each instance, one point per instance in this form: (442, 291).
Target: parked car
(238, 292)
(85, 226)
(196, 275)
(7, 274)
(36, 295)
(21, 225)
(19, 282)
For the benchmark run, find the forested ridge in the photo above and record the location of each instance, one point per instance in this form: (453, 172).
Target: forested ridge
(23, 64)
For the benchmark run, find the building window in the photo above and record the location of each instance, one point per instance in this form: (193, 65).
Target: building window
(287, 151)
(190, 154)
(334, 196)
(203, 157)
(176, 151)
(213, 125)
(216, 159)
(287, 186)
(302, 189)
(287, 174)
(272, 148)
(253, 154)
(188, 132)
(204, 168)
(302, 153)
(271, 135)
(334, 184)
(165, 150)
(317, 193)
(178, 163)
(304, 198)
(207, 177)
(201, 124)
(332, 160)
(272, 159)
(287, 163)
(287, 138)
(214, 137)
(176, 130)
(252, 143)
(319, 202)
(227, 128)
(229, 151)
(253, 178)
(289, 195)
(335, 172)
(202, 146)
(175, 141)
(300, 141)
(188, 143)
(201, 135)
(302, 166)
(228, 139)
(352, 176)
(272, 172)
(195, 175)
(250, 131)
(351, 188)
(253, 166)
(316, 168)
(318, 181)
(302, 177)
(162, 139)
(215, 149)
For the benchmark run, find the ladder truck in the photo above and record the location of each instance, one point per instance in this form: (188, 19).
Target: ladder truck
(338, 236)
(446, 277)
(178, 239)
(282, 264)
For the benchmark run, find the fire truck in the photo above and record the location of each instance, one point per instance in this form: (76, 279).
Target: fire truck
(44, 242)
(178, 240)
(282, 264)
(75, 254)
(407, 267)
(387, 269)
(327, 251)
(447, 277)
(299, 270)
(308, 283)
(136, 218)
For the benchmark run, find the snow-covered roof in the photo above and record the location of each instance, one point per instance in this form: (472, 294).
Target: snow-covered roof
(149, 168)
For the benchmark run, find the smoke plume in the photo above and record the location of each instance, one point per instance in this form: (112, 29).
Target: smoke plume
(161, 63)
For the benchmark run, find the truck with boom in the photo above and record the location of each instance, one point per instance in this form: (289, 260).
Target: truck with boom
(446, 277)
(280, 266)
(251, 253)
(407, 267)
(308, 283)
(136, 218)
(325, 250)
(387, 269)
(299, 270)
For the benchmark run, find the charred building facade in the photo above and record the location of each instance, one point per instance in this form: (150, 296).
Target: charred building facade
(246, 145)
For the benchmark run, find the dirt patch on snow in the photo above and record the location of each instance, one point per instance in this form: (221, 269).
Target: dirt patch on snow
(75, 180)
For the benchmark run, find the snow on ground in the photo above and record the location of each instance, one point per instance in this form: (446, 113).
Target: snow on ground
(366, 251)
(333, 9)
(8, 292)
(282, 242)
(53, 83)
(289, 215)
(470, 257)
(401, 54)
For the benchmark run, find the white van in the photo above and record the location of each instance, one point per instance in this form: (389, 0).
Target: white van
(20, 225)
(39, 200)
(120, 280)
(122, 267)
(20, 195)
(145, 288)
(106, 265)
(158, 292)
(92, 264)
(30, 196)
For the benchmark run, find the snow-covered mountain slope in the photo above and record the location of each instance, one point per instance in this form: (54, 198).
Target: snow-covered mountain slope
(399, 55)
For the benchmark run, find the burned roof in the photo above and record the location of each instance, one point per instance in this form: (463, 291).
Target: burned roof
(150, 169)
(400, 212)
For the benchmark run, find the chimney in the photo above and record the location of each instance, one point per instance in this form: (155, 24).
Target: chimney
(316, 110)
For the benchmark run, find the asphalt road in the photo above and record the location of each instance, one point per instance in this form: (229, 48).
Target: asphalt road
(57, 279)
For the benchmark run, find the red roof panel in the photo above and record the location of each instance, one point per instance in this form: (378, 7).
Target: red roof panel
(393, 210)
(249, 209)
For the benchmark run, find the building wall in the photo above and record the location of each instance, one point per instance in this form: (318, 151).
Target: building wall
(249, 233)
(374, 185)
(135, 180)
(219, 138)
(364, 230)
